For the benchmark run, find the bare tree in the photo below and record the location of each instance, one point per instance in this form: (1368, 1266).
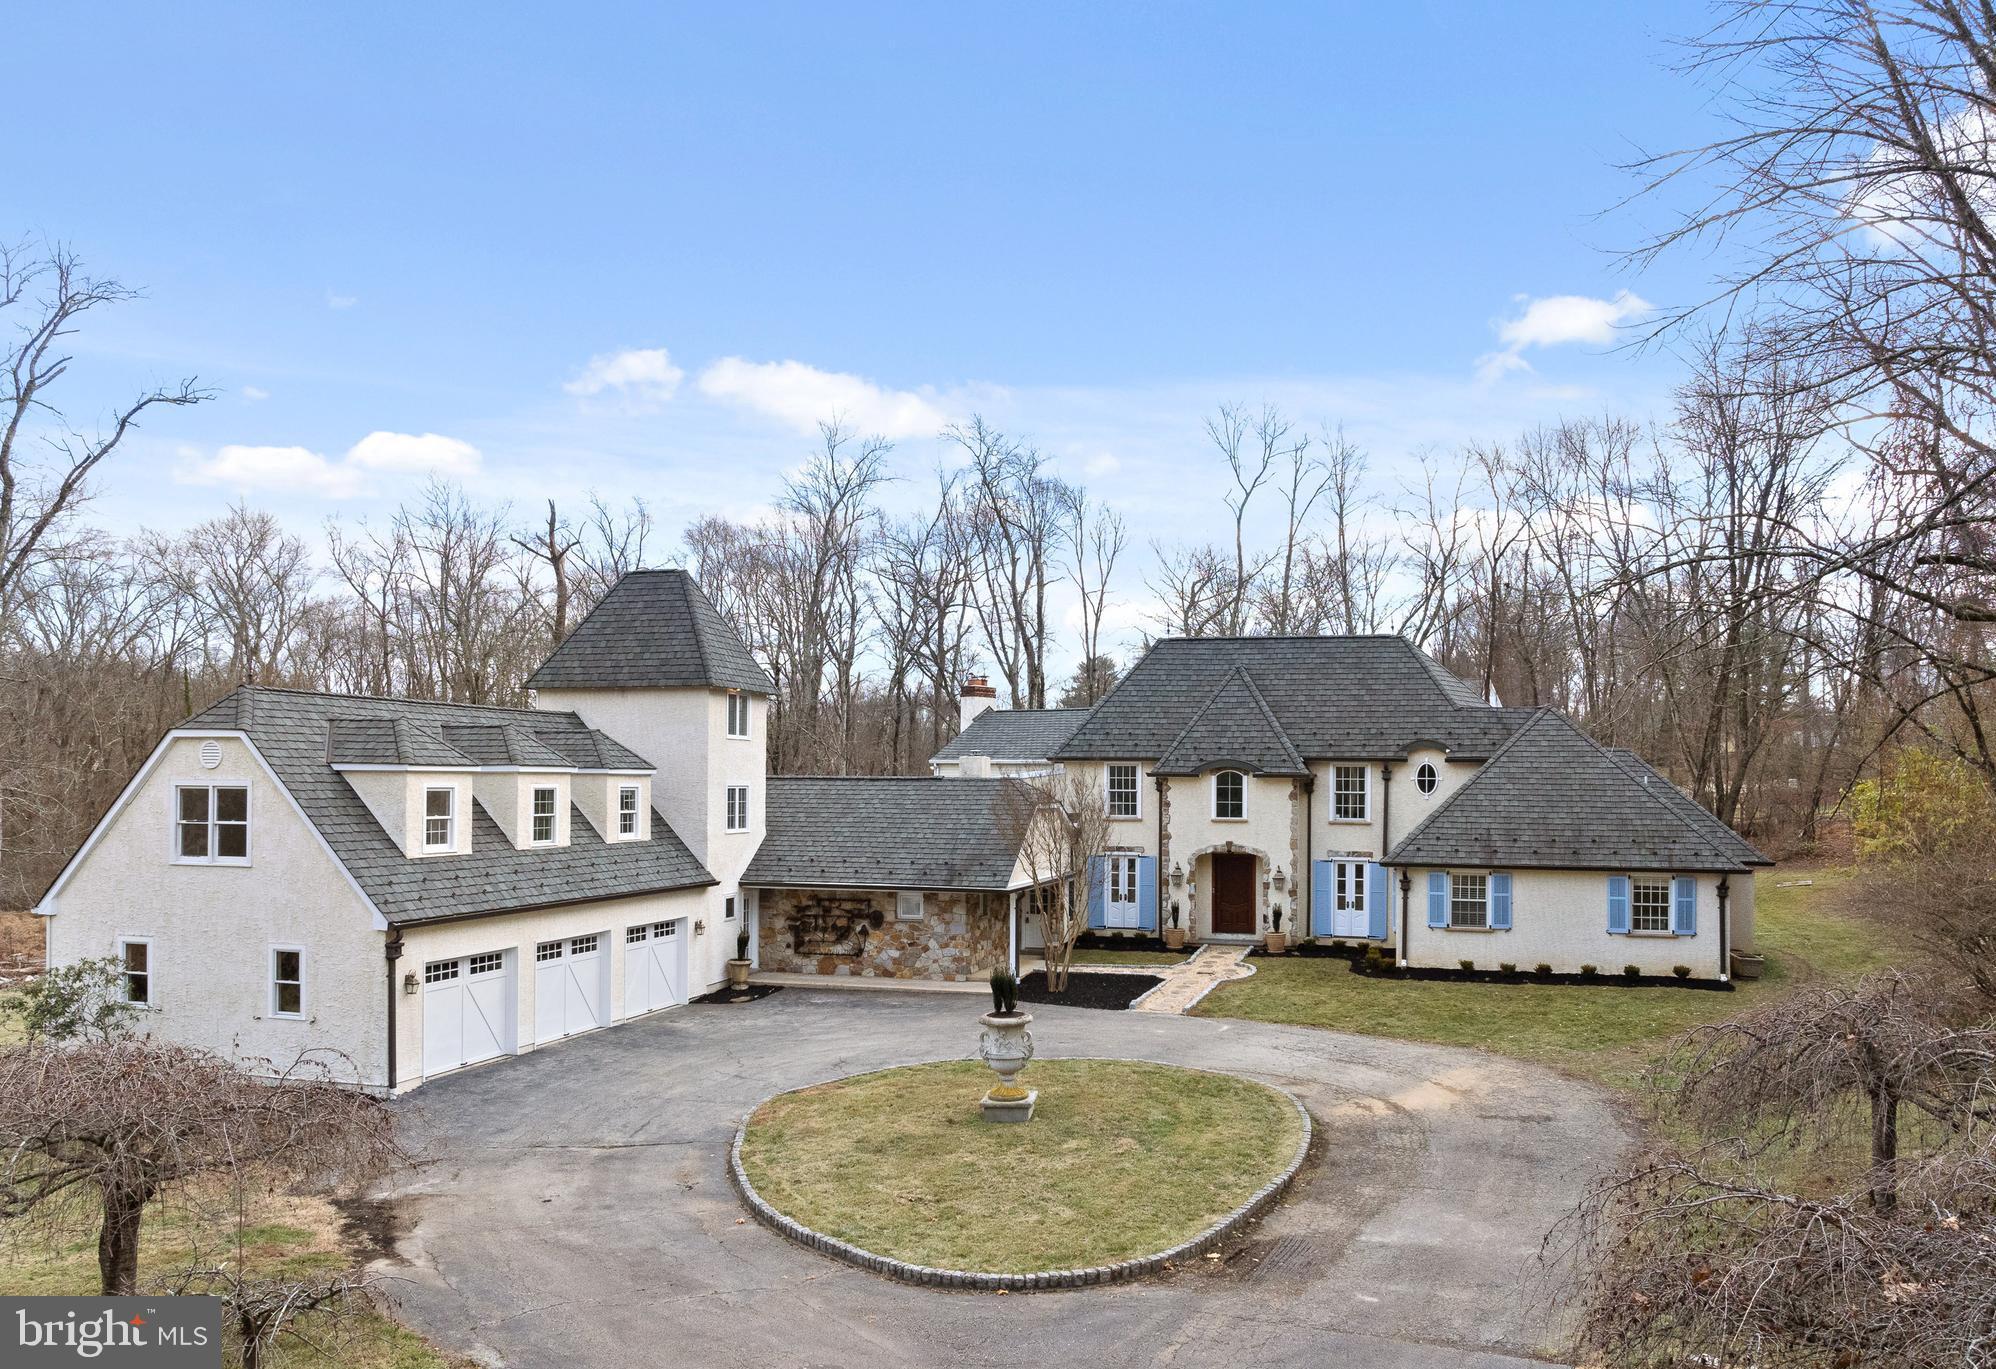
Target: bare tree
(1061, 827)
(1094, 540)
(552, 544)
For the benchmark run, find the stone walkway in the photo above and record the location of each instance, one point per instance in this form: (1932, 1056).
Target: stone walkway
(1189, 981)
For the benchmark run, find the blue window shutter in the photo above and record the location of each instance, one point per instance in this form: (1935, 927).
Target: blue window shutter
(1684, 906)
(1500, 902)
(1438, 898)
(1098, 879)
(1147, 893)
(1376, 897)
(1618, 905)
(1321, 889)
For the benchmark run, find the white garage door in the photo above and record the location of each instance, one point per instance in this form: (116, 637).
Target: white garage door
(571, 987)
(467, 1010)
(654, 966)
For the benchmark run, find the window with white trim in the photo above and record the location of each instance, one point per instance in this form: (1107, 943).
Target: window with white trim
(737, 813)
(135, 959)
(738, 713)
(1124, 796)
(627, 810)
(548, 950)
(910, 906)
(544, 801)
(665, 929)
(1349, 793)
(1468, 900)
(582, 945)
(440, 971)
(728, 908)
(287, 981)
(1649, 903)
(1230, 794)
(633, 935)
(211, 823)
(488, 962)
(439, 819)
(1426, 778)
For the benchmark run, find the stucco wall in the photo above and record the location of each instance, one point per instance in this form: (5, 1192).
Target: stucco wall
(1271, 829)
(596, 796)
(213, 926)
(960, 936)
(1560, 918)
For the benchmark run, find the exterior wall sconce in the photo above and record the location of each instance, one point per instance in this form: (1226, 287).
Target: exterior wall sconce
(699, 926)
(409, 983)
(1281, 880)
(1177, 875)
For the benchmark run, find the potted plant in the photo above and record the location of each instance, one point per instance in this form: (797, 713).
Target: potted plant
(1276, 942)
(1174, 935)
(738, 968)
(1007, 1047)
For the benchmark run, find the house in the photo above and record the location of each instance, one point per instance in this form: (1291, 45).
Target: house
(1355, 790)
(418, 886)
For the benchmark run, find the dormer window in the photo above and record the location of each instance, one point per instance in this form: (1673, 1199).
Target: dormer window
(627, 810)
(738, 713)
(1229, 795)
(440, 819)
(543, 814)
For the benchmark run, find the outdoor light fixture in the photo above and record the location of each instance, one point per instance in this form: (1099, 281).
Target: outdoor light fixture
(409, 982)
(1281, 880)
(1177, 875)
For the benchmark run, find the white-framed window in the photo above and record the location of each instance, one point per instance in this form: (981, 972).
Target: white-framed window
(728, 908)
(582, 945)
(910, 906)
(665, 929)
(488, 962)
(1468, 900)
(1426, 778)
(738, 713)
(737, 808)
(627, 810)
(1349, 793)
(1125, 798)
(1649, 903)
(633, 935)
(287, 981)
(547, 950)
(544, 801)
(441, 971)
(440, 819)
(1230, 794)
(135, 959)
(211, 824)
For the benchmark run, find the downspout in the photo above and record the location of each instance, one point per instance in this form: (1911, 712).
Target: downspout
(1406, 892)
(1309, 870)
(1386, 809)
(1012, 921)
(393, 950)
(1163, 880)
(1725, 932)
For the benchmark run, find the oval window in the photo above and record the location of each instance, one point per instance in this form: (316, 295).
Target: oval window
(1426, 778)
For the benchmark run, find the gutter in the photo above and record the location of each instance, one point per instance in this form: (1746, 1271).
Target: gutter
(393, 951)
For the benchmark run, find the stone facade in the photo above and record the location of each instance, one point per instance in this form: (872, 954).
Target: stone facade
(856, 932)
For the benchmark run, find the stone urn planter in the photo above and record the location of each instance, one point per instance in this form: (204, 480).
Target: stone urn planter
(1174, 938)
(738, 968)
(1747, 965)
(1007, 1047)
(1276, 943)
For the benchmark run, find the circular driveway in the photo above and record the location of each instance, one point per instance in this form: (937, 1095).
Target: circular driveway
(578, 1212)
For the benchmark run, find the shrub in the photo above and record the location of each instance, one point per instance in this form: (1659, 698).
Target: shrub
(1923, 805)
(1467, 964)
(1681, 971)
(1337, 945)
(1542, 968)
(84, 1001)
(741, 944)
(1589, 971)
(1633, 971)
(1507, 967)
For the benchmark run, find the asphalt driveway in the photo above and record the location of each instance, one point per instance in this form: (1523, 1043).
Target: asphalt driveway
(578, 1211)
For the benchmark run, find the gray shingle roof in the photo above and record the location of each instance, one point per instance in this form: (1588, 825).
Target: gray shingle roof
(588, 749)
(1352, 698)
(1693, 811)
(291, 729)
(1552, 798)
(1014, 734)
(1233, 728)
(885, 833)
(655, 628)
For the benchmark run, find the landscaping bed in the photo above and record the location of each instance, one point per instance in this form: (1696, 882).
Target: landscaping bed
(1113, 991)
(902, 1164)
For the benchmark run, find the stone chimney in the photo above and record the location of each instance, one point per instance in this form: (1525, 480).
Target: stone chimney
(977, 696)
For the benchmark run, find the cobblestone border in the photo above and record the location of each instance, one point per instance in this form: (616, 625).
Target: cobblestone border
(927, 1276)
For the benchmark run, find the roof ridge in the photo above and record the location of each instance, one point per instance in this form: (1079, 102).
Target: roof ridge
(1254, 692)
(395, 699)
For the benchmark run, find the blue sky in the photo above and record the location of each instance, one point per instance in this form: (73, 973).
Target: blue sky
(637, 248)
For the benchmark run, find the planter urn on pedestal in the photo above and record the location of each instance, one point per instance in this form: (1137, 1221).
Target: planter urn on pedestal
(1007, 1047)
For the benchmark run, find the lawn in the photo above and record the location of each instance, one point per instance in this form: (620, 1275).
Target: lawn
(901, 1163)
(1604, 1034)
(1112, 956)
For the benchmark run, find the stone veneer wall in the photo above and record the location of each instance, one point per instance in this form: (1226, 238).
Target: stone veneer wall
(962, 936)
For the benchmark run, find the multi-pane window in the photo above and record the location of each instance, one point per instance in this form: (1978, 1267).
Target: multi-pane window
(1469, 900)
(627, 810)
(1426, 778)
(440, 971)
(665, 929)
(1649, 904)
(1229, 794)
(728, 908)
(1123, 791)
(487, 962)
(548, 950)
(738, 714)
(1348, 793)
(582, 945)
(544, 798)
(737, 808)
(287, 981)
(211, 822)
(439, 819)
(633, 935)
(135, 958)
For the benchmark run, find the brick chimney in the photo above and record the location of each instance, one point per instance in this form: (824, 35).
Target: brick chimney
(977, 696)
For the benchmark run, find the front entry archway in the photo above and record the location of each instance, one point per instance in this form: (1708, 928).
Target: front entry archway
(1233, 894)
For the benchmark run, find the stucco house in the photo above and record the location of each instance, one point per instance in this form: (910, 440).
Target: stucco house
(421, 886)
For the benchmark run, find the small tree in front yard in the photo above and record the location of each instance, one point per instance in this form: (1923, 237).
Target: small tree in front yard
(1060, 824)
(126, 1120)
(83, 1001)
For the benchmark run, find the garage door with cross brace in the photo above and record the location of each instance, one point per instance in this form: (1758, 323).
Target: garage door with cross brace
(468, 1006)
(571, 986)
(654, 966)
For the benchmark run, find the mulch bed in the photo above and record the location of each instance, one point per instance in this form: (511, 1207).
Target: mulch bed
(1096, 941)
(1607, 978)
(748, 995)
(1114, 991)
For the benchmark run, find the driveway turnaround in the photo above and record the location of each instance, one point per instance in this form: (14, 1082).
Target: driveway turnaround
(577, 1210)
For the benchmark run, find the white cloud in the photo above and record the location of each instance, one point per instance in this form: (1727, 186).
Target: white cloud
(1555, 321)
(301, 470)
(335, 301)
(253, 393)
(640, 377)
(800, 396)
